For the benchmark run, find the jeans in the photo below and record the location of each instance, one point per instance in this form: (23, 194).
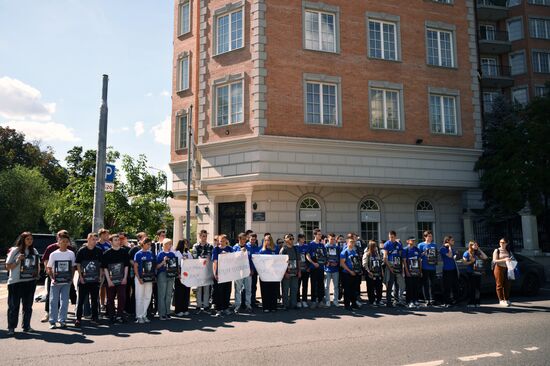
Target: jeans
(86, 291)
(20, 293)
(118, 291)
(395, 282)
(374, 289)
(331, 276)
(143, 297)
(203, 297)
(59, 293)
(165, 286)
(428, 281)
(290, 291)
(240, 285)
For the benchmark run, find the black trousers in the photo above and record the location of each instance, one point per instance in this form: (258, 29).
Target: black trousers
(222, 293)
(412, 285)
(253, 289)
(303, 286)
(181, 297)
(474, 288)
(428, 282)
(130, 306)
(154, 305)
(47, 302)
(85, 289)
(317, 276)
(20, 293)
(350, 289)
(270, 291)
(450, 285)
(374, 288)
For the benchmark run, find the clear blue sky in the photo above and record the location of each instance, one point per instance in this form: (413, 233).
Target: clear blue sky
(53, 55)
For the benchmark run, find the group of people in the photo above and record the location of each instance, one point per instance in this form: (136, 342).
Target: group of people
(134, 282)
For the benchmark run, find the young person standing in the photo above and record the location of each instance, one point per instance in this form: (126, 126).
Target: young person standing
(269, 290)
(474, 259)
(450, 272)
(182, 292)
(144, 271)
(115, 263)
(303, 249)
(60, 268)
(222, 291)
(501, 256)
(430, 257)
(244, 285)
(88, 265)
(317, 259)
(351, 265)
(203, 250)
(290, 280)
(372, 263)
(253, 247)
(167, 270)
(394, 269)
(332, 269)
(23, 264)
(413, 271)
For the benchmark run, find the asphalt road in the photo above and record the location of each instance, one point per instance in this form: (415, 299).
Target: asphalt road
(490, 335)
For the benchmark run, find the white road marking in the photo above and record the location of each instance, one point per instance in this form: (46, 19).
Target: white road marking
(515, 352)
(429, 363)
(531, 348)
(477, 357)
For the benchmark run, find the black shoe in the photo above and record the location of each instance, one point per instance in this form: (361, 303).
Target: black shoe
(347, 307)
(77, 323)
(389, 305)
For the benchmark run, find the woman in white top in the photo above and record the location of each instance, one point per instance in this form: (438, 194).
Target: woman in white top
(182, 292)
(501, 256)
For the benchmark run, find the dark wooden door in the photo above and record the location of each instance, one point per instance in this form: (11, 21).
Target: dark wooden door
(231, 220)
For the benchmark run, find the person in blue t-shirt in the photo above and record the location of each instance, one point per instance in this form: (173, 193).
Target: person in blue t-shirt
(243, 286)
(144, 271)
(269, 290)
(413, 271)
(393, 259)
(450, 272)
(351, 274)
(332, 269)
(222, 291)
(317, 259)
(303, 249)
(430, 257)
(474, 259)
(253, 247)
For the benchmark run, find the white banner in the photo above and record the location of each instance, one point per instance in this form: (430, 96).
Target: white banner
(233, 266)
(196, 272)
(271, 268)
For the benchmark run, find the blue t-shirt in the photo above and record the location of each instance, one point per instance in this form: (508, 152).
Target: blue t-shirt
(160, 258)
(394, 250)
(428, 251)
(333, 256)
(217, 250)
(141, 257)
(104, 247)
(478, 266)
(317, 253)
(449, 264)
(412, 256)
(302, 251)
(352, 259)
(252, 249)
(267, 251)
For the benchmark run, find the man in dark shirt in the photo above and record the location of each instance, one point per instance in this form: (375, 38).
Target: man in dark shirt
(115, 264)
(88, 264)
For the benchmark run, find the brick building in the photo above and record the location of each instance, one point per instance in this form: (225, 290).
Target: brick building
(348, 115)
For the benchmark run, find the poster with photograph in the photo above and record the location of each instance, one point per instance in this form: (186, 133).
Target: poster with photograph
(116, 272)
(172, 267)
(29, 267)
(148, 272)
(90, 271)
(62, 271)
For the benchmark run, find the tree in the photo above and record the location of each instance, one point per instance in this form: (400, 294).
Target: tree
(23, 196)
(137, 204)
(15, 151)
(515, 160)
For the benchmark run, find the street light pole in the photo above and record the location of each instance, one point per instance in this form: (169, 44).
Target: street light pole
(101, 157)
(189, 170)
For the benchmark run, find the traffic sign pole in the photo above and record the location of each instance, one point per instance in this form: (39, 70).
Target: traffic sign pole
(101, 157)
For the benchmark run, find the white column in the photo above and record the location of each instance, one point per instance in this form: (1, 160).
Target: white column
(178, 228)
(468, 227)
(248, 211)
(530, 232)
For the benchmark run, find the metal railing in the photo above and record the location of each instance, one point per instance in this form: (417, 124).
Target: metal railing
(501, 3)
(493, 35)
(495, 71)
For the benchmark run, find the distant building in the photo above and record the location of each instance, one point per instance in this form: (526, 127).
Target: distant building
(345, 115)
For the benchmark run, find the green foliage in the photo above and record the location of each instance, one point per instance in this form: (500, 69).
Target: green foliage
(515, 162)
(24, 193)
(137, 204)
(15, 151)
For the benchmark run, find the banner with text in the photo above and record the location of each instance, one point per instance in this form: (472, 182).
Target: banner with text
(196, 272)
(271, 268)
(233, 266)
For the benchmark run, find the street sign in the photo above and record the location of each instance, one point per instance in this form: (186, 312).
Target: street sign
(109, 187)
(109, 173)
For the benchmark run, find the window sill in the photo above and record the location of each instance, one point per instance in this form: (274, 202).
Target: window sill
(226, 52)
(323, 52)
(386, 129)
(455, 68)
(218, 127)
(323, 124)
(384, 59)
(181, 150)
(445, 134)
(183, 92)
(184, 35)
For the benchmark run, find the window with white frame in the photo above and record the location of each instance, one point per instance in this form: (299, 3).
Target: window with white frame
(385, 109)
(370, 220)
(541, 61)
(520, 96)
(310, 217)
(515, 29)
(322, 99)
(488, 100)
(443, 1)
(181, 120)
(541, 91)
(511, 3)
(489, 67)
(540, 2)
(183, 70)
(425, 218)
(184, 17)
(229, 31)
(320, 31)
(383, 39)
(539, 28)
(440, 47)
(229, 105)
(517, 63)
(487, 32)
(443, 114)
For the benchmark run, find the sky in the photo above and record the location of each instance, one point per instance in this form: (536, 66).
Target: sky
(53, 55)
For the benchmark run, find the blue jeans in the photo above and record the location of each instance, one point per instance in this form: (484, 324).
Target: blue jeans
(331, 276)
(165, 286)
(59, 292)
(246, 284)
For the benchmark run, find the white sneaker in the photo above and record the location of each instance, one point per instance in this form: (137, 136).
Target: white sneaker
(503, 303)
(508, 302)
(411, 306)
(299, 304)
(304, 304)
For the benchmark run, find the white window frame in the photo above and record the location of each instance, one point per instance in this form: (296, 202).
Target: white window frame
(181, 144)
(370, 215)
(489, 66)
(228, 10)
(184, 73)
(488, 102)
(227, 82)
(440, 27)
(523, 55)
(536, 60)
(323, 80)
(320, 9)
(511, 20)
(512, 3)
(182, 20)
(539, 88)
(387, 87)
(521, 88)
(442, 93)
(382, 19)
(533, 29)
(540, 2)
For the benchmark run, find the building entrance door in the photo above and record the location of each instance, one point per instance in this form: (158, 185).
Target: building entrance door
(231, 220)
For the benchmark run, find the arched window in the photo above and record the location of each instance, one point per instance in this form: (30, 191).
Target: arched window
(425, 219)
(310, 217)
(370, 220)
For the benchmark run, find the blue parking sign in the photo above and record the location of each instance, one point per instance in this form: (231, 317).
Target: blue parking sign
(109, 173)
